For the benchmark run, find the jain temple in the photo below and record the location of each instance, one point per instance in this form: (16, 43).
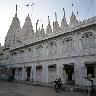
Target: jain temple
(66, 51)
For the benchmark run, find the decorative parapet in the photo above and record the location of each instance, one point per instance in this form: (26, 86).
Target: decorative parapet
(89, 20)
(40, 34)
(80, 25)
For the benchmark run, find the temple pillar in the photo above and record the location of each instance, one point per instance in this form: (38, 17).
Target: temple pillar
(34, 73)
(45, 73)
(31, 74)
(23, 73)
(80, 73)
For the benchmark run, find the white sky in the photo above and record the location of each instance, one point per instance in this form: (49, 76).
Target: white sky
(41, 10)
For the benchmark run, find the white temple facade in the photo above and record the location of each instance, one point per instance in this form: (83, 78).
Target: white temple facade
(67, 52)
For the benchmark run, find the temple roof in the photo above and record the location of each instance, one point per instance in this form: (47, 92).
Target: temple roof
(26, 35)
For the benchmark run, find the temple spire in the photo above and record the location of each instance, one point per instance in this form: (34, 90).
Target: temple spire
(55, 16)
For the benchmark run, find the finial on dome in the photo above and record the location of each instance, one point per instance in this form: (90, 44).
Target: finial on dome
(48, 20)
(72, 13)
(36, 25)
(55, 16)
(42, 26)
(64, 11)
(16, 11)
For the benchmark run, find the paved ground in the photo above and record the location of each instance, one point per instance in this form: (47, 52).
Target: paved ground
(19, 89)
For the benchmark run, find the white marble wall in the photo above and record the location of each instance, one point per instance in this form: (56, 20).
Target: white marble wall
(52, 52)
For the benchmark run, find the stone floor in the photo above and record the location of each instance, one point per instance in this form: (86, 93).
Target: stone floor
(21, 89)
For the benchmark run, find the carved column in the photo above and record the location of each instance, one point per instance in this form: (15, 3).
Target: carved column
(95, 75)
(45, 73)
(31, 74)
(23, 73)
(17, 77)
(16, 74)
(80, 73)
(34, 73)
(95, 71)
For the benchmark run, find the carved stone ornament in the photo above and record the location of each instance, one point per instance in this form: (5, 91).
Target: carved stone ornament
(87, 40)
(52, 47)
(67, 44)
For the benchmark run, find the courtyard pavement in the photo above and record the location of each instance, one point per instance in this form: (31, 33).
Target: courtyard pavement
(23, 89)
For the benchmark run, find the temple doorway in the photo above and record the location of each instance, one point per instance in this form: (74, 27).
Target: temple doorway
(69, 72)
(13, 73)
(28, 70)
(19, 73)
(90, 70)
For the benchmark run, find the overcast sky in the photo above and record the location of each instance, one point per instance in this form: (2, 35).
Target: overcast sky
(41, 10)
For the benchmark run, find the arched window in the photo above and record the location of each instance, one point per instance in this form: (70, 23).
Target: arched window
(52, 47)
(67, 44)
(87, 40)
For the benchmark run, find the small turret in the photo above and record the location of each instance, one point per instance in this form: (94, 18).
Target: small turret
(42, 32)
(48, 29)
(37, 25)
(55, 25)
(48, 21)
(55, 17)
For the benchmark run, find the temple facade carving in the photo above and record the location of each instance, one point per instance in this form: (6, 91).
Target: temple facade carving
(66, 51)
(88, 40)
(52, 48)
(67, 44)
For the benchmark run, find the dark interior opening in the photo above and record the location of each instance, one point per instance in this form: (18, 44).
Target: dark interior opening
(13, 73)
(69, 71)
(28, 72)
(90, 70)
